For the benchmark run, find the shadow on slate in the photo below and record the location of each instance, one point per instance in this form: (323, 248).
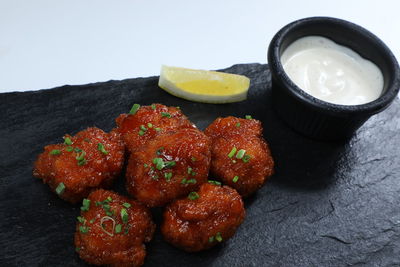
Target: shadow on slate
(328, 204)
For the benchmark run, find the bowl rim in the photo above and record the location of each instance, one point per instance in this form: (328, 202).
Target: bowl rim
(373, 107)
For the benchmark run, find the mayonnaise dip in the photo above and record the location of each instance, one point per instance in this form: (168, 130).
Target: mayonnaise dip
(332, 72)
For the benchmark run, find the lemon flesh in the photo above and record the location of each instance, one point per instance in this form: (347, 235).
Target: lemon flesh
(204, 86)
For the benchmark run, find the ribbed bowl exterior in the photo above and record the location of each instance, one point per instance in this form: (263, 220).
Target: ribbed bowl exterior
(310, 122)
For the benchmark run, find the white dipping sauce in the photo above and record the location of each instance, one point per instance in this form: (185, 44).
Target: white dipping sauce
(332, 72)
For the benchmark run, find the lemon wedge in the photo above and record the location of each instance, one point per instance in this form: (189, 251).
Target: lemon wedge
(204, 86)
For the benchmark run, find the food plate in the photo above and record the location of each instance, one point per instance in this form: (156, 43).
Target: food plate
(328, 204)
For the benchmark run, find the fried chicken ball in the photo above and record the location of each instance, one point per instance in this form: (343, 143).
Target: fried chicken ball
(112, 229)
(169, 166)
(240, 156)
(146, 122)
(203, 219)
(91, 159)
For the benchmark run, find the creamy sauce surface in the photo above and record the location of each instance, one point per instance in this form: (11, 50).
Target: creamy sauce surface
(332, 72)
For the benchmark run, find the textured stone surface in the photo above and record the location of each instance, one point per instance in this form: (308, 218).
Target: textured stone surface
(328, 204)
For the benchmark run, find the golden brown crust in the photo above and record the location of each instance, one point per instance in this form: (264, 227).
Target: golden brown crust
(246, 174)
(99, 242)
(195, 225)
(161, 118)
(188, 149)
(97, 170)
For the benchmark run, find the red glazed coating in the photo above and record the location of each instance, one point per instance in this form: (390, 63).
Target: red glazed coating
(97, 170)
(232, 126)
(188, 148)
(161, 118)
(98, 239)
(199, 224)
(256, 165)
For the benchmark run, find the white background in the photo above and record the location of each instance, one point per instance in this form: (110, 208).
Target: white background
(48, 43)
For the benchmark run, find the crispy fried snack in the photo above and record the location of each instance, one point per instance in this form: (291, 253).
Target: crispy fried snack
(203, 219)
(169, 166)
(91, 159)
(112, 229)
(144, 123)
(240, 155)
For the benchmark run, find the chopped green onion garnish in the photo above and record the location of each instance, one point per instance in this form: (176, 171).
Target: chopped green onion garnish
(80, 219)
(124, 215)
(211, 239)
(150, 125)
(92, 220)
(165, 114)
(67, 141)
(248, 117)
(143, 128)
(81, 156)
(232, 153)
(169, 164)
(127, 205)
(193, 159)
(77, 149)
(246, 158)
(134, 108)
(235, 179)
(85, 204)
(141, 132)
(110, 212)
(159, 163)
(238, 124)
(189, 170)
(55, 152)
(82, 162)
(126, 230)
(193, 196)
(240, 153)
(168, 176)
(77, 249)
(100, 147)
(157, 129)
(105, 205)
(218, 237)
(145, 165)
(214, 182)
(153, 106)
(107, 208)
(69, 148)
(118, 228)
(83, 229)
(188, 181)
(60, 188)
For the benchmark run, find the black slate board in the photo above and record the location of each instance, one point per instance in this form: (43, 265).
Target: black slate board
(328, 204)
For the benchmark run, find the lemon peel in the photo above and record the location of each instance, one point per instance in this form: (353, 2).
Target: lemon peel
(204, 86)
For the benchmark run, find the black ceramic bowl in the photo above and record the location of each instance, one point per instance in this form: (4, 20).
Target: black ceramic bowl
(316, 118)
